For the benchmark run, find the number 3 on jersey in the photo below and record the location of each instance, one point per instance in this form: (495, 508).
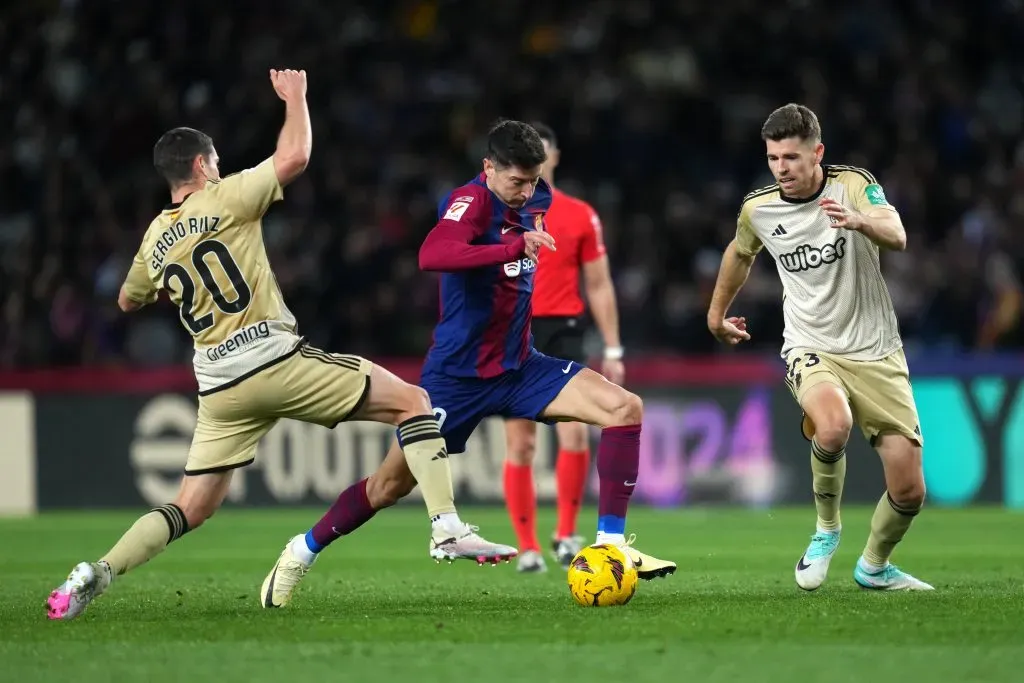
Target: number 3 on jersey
(793, 375)
(188, 286)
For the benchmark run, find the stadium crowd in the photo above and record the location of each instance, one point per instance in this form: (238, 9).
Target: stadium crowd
(658, 106)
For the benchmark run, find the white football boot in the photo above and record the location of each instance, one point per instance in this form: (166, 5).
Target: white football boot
(86, 582)
(565, 549)
(285, 576)
(461, 542)
(531, 562)
(888, 578)
(812, 567)
(647, 566)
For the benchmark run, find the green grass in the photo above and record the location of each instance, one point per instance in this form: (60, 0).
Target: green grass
(376, 608)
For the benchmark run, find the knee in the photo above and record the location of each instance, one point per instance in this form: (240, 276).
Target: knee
(417, 401)
(629, 410)
(384, 489)
(833, 433)
(907, 489)
(827, 407)
(412, 401)
(522, 448)
(909, 495)
(832, 437)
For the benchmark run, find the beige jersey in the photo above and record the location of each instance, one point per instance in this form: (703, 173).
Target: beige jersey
(208, 253)
(834, 297)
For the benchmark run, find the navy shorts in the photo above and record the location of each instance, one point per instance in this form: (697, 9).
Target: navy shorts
(461, 403)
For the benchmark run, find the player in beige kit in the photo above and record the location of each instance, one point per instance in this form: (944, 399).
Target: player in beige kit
(205, 249)
(823, 225)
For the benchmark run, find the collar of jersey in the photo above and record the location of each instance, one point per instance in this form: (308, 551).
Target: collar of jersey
(174, 205)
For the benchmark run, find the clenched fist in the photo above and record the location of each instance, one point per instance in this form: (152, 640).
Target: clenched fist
(289, 84)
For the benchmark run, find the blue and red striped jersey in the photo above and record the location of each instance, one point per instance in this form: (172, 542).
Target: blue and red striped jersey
(486, 280)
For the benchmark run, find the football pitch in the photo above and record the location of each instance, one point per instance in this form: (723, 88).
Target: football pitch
(375, 607)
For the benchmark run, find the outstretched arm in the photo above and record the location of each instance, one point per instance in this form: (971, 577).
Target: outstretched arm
(295, 142)
(731, 275)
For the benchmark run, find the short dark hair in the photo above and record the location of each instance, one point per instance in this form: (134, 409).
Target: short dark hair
(514, 143)
(174, 152)
(545, 132)
(792, 121)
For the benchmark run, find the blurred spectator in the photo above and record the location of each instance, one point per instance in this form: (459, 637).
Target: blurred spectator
(658, 107)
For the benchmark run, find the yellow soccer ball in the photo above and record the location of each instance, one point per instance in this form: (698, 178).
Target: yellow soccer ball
(602, 576)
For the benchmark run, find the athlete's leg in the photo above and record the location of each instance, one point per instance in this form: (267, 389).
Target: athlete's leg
(198, 499)
(827, 423)
(383, 398)
(392, 481)
(421, 457)
(571, 467)
(418, 455)
(564, 338)
(590, 398)
(520, 493)
(222, 442)
(903, 499)
(883, 403)
(572, 436)
(571, 470)
(827, 410)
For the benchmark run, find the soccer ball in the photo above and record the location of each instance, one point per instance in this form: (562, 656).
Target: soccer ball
(602, 576)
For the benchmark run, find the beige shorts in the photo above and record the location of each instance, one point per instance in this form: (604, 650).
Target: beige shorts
(308, 385)
(878, 390)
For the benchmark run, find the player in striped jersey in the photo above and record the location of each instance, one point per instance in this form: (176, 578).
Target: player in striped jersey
(824, 226)
(558, 329)
(483, 363)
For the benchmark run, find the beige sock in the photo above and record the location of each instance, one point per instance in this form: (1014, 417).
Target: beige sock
(427, 456)
(829, 473)
(146, 538)
(888, 525)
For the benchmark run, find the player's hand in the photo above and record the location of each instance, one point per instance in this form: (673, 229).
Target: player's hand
(730, 331)
(613, 370)
(840, 216)
(289, 84)
(535, 241)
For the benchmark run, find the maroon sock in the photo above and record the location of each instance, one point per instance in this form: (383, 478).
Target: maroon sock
(618, 460)
(350, 511)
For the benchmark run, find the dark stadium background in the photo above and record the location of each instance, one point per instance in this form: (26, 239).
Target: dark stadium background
(658, 106)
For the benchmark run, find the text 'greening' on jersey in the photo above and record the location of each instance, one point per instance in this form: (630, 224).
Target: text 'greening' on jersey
(208, 253)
